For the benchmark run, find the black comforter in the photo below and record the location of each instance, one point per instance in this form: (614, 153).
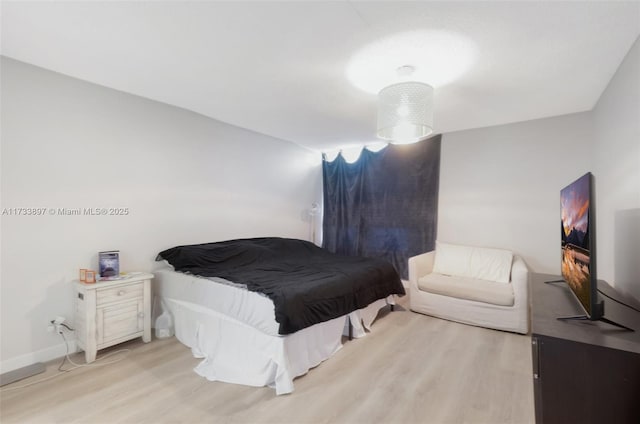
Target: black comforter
(307, 284)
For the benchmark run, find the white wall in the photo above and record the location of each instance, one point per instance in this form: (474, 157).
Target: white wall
(500, 186)
(185, 179)
(617, 174)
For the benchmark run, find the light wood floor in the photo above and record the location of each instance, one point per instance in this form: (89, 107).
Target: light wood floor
(411, 369)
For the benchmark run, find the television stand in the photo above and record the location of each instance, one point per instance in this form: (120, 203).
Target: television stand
(585, 317)
(603, 319)
(586, 374)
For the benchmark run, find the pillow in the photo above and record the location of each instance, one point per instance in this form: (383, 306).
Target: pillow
(452, 259)
(481, 263)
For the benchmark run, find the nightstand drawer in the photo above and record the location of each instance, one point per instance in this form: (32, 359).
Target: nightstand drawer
(119, 294)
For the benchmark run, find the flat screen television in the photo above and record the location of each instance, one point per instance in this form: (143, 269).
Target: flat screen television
(578, 244)
(578, 258)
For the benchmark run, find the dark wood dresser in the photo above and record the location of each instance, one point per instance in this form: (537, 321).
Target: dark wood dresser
(583, 371)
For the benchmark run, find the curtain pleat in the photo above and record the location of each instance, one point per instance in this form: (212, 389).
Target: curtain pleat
(385, 204)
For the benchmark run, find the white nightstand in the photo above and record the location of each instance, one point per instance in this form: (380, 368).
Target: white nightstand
(112, 312)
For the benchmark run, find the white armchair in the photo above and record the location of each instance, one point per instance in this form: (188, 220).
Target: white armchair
(498, 305)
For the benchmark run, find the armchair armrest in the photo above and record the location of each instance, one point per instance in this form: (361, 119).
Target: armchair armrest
(520, 281)
(419, 266)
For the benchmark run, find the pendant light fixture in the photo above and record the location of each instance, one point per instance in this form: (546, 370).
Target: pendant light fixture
(405, 110)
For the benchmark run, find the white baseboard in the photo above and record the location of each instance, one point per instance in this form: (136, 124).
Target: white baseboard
(44, 355)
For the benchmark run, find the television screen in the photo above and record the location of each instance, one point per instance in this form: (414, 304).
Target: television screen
(577, 256)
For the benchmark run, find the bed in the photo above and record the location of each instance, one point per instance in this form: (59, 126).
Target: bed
(263, 311)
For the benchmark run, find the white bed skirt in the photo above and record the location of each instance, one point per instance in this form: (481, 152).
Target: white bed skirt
(235, 352)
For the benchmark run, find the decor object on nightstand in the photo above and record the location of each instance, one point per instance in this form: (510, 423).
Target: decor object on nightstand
(109, 264)
(112, 312)
(89, 276)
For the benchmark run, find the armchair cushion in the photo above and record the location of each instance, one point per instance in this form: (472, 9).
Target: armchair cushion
(478, 263)
(468, 288)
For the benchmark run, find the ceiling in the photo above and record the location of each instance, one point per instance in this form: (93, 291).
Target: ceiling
(286, 69)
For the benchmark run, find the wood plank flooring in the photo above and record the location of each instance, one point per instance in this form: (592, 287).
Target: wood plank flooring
(411, 369)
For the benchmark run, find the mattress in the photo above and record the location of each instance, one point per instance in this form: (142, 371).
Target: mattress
(247, 307)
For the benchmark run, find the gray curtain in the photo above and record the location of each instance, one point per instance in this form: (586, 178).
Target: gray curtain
(385, 204)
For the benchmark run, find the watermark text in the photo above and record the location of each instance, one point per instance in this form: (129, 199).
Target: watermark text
(77, 211)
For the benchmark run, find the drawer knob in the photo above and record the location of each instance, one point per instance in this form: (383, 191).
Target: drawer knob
(140, 314)
(121, 293)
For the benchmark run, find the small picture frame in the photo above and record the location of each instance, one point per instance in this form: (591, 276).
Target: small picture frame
(90, 276)
(83, 275)
(109, 264)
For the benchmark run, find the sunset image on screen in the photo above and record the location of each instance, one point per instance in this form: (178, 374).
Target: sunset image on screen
(574, 206)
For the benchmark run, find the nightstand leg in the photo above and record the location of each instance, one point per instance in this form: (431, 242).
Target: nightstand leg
(146, 335)
(90, 355)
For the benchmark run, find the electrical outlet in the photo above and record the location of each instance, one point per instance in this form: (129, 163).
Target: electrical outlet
(56, 324)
